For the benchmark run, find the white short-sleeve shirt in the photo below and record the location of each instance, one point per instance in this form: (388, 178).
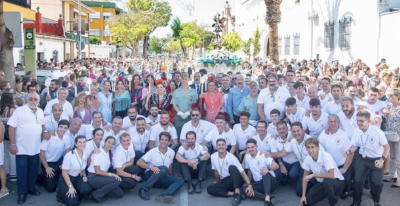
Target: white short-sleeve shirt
(156, 158)
(90, 146)
(335, 144)
(189, 154)
(323, 164)
(376, 108)
(152, 123)
(51, 124)
(121, 156)
(214, 135)
(157, 129)
(126, 122)
(202, 129)
(101, 159)
(371, 142)
(332, 108)
(267, 144)
(54, 148)
(28, 129)
(140, 141)
(282, 144)
(276, 101)
(300, 149)
(70, 138)
(298, 116)
(315, 127)
(116, 136)
(255, 164)
(222, 165)
(348, 125)
(303, 103)
(242, 136)
(73, 163)
(67, 108)
(89, 130)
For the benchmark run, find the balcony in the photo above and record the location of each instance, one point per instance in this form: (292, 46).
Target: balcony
(23, 3)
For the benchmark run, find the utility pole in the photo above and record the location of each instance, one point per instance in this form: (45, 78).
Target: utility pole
(79, 32)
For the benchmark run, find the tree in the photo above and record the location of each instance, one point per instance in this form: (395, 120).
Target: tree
(190, 36)
(232, 42)
(94, 40)
(158, 18)
(176, 28)
(246, 46)
(6, 53)
(156, 44)
(273, 17)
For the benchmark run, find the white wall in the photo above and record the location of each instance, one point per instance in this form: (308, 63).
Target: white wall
(101, 51)
(389, 42)
(48, 46)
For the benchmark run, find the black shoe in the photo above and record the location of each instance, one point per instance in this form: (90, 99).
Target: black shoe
(164, 198)
(96, 200)
(197, 188)
(143, 194)
(21, 199)
(355, 204)
(367, 186)
(393, 179)
(395, 186)
(34, 192)
(344, 196)
(190, 188)
(377, 204)
(268, 203)
(58, 195)
(236, 199)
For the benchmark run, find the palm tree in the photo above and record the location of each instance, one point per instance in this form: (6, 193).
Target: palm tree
(272, 19)
(6, 53)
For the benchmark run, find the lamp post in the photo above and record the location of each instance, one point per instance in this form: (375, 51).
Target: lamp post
(79, 31)
(312, 16)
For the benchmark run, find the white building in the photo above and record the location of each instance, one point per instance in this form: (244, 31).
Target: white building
(327, 29)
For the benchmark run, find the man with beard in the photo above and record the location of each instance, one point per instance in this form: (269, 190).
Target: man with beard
(262, 83)
(25, 130)
(51, 94)
(197, 85)
(234, 98)
(220, 133)
(193, 162)
(154, 117)
(272, 97)
(81, 84)
(347, 117)
(130, 120)
(197, 125)
(115, 131)
(352, 92)
(163, 126)
(374, 105)
(140, 138)
(325, 87)
(219, 79)
(62, 99)
(224, 90)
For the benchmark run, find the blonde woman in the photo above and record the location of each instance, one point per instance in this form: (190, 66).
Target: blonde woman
(82, 108)
(95, 104)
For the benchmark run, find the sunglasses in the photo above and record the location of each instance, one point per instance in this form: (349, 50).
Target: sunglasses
(390, 95)
(340, 79)
(233, 78)
(195, 115)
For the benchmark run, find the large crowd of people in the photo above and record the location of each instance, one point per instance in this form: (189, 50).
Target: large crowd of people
(112, 123)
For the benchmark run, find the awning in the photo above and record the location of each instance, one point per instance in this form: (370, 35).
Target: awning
(73, 36)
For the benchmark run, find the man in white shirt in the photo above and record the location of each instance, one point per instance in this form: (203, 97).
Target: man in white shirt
(262, 170)
(130, 120)
(243, 131)
(25, 129)
(115, 131)
(335, 141)
(347, 116)
(62, 99)
(326, 90)
(272, 97)
(158, 165)
(73, 131)
(293, 112)
(97, 122)
(154, 117)
(301, 97)
(334, 106)
(229, 175)
(193, 162)
(163, 126)
(265, 141)
(374, 105)
(51, 121)
(140, 138)
(199, 126)
(218, 133)
(374, 149)
(316, 122)
(322, 178)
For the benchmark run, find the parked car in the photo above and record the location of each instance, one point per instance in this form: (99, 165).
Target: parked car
(41, 74)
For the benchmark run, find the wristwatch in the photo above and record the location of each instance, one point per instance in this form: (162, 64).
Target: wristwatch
(280, 163)
(70, 186)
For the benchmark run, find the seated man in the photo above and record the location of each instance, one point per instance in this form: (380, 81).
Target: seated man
(261, 169)
(229, 175)
(158, 165)
(163, 126)
(220, 133)
(193, 162)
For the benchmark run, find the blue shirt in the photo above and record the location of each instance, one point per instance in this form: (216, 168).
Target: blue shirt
(234, 98)
(248, 105)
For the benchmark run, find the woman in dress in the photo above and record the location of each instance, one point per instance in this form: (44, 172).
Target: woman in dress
(122, 100)
(82, 108)
(138, 94)
(104, 182)
(73, 184)
(105, 99)
(211, 101)
(160, 98)
(151, 81)
(94, 101)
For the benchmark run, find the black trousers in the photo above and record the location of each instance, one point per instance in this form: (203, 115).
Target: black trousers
(228, 184)
(50, 184)
(264, 187)
(347, 179)
(318, 191)
(105, 186)
(363, 167)
(299, 185)
(82, 189)
(189, 173)
(128, 183)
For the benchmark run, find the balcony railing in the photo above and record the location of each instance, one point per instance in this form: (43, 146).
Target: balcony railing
(23, 3)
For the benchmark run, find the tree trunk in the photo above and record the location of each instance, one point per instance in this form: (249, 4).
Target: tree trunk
(273, 17)
(145, 42)
(183, 49)
(6, 53)
(194, 51)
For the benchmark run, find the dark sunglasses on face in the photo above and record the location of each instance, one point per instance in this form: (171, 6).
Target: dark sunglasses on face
(195, 115)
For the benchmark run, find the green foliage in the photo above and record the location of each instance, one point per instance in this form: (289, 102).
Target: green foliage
(176, 28)
(189, 34)
(94, 40)
(128, 29)
(246, 46)
(156, 44)
(256, 42)
(232, 42)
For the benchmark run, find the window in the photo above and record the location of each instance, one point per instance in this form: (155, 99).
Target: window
(106, 15)
(287, 45)
(296, 44)
(94, 16)
(106, 33)
(345, 33)
(94, 32)
(280, 45)
(329, 34)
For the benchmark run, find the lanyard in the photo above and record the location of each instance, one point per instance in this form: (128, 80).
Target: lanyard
(94, 145)
(141, 141)
(301, 152)
(35, 114)
(365, 143)
(221, 166)
(126, 155)
(163, 159)
(283, 142)
(198, 127)
(79, 162)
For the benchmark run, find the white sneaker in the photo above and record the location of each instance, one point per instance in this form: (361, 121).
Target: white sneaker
(3, 192)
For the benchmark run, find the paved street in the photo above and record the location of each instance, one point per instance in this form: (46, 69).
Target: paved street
(285, 197)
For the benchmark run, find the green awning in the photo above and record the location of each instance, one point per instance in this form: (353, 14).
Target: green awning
(73, 36)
